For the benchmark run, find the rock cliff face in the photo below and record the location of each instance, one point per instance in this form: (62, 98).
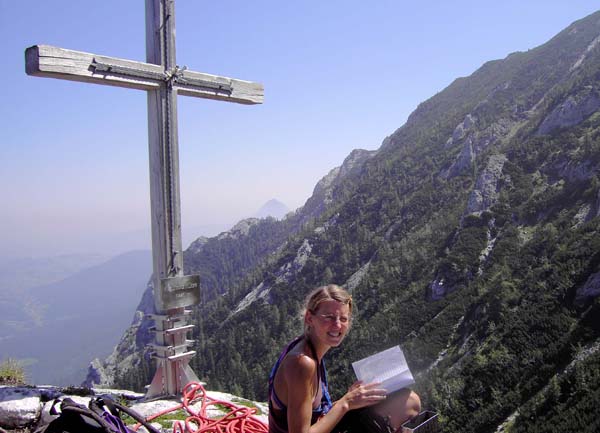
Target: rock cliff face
(284, 275)
(485, 194)
(590, 290)
(474, 139)
(239, 230)
(572, 111)
(324, 192)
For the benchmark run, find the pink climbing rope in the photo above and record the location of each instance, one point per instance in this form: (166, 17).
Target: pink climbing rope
(239, 419)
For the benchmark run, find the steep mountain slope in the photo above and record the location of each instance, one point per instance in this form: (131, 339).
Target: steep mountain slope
(471, 238)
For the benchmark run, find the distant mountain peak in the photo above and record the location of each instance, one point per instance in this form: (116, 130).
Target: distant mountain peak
(273, 208)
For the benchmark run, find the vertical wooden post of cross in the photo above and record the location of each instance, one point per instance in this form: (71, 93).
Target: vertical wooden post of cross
(163, 144)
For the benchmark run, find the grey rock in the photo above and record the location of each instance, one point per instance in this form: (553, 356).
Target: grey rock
(571, 112)
(259, 292)
(196, 246)
(355, 161)
(576, 171)
(240, 229)
(284, 275)
(356, 278)
(97, 375)
(19, 407)
(582, 58)
(322, 195)
(149, 408)
(387, 142)
(26, 406)
(463, 161)
(485, 193)
(582, 215)
(438, 289)
(474, 142)
(467, 155)
(590, 290)
(483, 196)
(463, 128)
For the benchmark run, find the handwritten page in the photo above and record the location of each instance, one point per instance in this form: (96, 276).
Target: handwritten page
(388, 367)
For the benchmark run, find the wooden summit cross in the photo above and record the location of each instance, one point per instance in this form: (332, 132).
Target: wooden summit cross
(163, 80)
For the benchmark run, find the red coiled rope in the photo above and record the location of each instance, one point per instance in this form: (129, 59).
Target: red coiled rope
(239, 419)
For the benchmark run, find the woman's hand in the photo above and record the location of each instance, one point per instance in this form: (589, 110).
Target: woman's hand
(362, 395)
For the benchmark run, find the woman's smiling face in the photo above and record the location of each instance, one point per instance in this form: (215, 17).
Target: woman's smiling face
(329, 323)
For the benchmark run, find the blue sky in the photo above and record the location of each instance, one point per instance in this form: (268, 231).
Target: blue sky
(338, 75)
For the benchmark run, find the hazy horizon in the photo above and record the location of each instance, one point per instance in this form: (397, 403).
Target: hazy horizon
(338, 75)
(111, 244)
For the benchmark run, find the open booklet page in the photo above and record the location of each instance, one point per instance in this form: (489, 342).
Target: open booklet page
(388, 367)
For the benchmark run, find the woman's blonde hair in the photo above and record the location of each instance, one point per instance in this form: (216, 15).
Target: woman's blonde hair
(330, 292)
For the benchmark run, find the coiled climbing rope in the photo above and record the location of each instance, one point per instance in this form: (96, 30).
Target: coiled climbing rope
(239, 419)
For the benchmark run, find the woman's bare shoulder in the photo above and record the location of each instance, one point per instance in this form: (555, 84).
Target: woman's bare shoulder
(299, 366)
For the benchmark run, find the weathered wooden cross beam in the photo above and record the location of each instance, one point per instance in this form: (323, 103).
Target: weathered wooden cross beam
(53, 62)
(163, 80)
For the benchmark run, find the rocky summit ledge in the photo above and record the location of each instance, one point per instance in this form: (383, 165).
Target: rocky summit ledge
(23, 408)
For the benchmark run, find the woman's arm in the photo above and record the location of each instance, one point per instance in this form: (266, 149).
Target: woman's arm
(359, 395)
(299, 373)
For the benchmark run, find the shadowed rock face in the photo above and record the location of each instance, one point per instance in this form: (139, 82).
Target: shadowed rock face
(485, 193)
(324, 191)
(590, 290)
(474, 138)
(574, 110)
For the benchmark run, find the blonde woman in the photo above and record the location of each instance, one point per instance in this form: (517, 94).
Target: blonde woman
(299, 400)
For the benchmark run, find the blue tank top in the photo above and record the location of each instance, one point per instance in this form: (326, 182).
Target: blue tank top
(278, 415)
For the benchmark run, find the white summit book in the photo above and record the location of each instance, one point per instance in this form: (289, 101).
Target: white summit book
(388, 367)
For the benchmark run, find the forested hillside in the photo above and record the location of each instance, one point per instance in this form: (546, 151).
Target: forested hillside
(471, 238)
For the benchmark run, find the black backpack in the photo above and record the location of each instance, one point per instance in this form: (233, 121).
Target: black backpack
(101, 416)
